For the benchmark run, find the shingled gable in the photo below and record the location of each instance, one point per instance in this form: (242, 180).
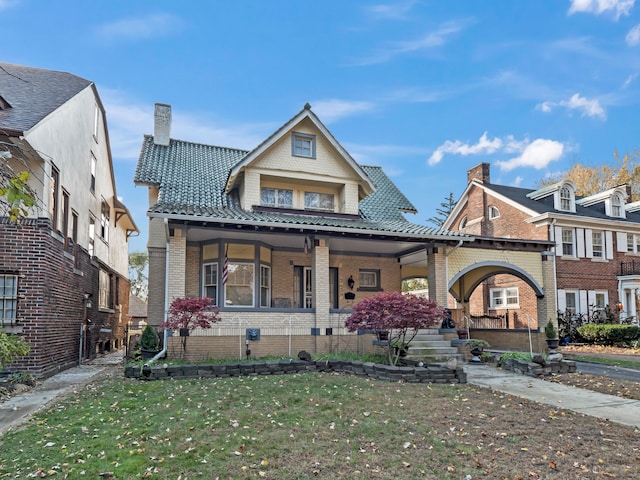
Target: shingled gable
(366, 185)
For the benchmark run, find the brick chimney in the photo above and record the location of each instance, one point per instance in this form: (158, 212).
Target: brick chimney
(162, 124)
(480, 172)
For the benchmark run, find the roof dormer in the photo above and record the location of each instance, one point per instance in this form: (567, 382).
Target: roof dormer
(564, 195)
(613, 199)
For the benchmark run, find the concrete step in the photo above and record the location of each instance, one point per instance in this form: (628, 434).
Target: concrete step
(430, 343)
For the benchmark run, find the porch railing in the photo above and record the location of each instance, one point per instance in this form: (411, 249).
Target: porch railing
(630, 268)
(489, 321)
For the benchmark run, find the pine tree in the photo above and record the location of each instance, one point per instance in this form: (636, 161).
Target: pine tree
(443, 212)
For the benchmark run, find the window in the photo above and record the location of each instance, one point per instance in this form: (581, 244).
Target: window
(96, 123)
(596, 240)
(571, 302)
(238, 291)
(463, 223)
(318, 201)
(92, 235)
(504, 297)
(74, 226)
(210, 281)
(104, 300)
(567, 242)
(8, 299)
(493, 212)
(65, 214)
(369, 280)
(616, 206)
(276, 197)
(565, 199)
(600, 300)
(302, 287)
(105, 213)
(333, 287)
(265, 286)
(92, 184)
(631, 243)
(53, 196)
(303, 145)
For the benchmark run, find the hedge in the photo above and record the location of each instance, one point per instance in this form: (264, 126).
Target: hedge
(609, 334)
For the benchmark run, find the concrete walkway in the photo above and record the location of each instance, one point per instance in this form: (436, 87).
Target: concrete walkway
(609, 407)
(19, 408)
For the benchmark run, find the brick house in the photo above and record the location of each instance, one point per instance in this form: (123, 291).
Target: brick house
(596, 245)
(63, 270)
(300, 228)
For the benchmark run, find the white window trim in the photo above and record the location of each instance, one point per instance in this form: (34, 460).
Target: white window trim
(494, 212)
(266, 268)
(213, 265)
(12, 298)
(504, 297)
(252, 285)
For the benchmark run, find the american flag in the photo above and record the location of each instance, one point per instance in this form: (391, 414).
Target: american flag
(225, 267)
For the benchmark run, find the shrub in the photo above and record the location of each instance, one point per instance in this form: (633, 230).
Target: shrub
(149, 339)
(11, 346)
(609, 334)
(550, 331)
(189, 313)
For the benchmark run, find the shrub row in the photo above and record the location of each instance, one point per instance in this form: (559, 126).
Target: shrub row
(609, 334)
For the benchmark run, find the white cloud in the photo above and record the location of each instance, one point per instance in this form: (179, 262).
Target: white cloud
(4, 4)
(633, 36)
(587, 108)
(150, 26)
(629, 80)
(331, 110)
(391, 11)
(435, 38)
(538, 154)
(456, 147)
(129, 121)
(618, 7)
(517, 181)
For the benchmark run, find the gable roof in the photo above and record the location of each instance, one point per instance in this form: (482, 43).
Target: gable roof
(32, 94)
(303, 114)
(192, 177)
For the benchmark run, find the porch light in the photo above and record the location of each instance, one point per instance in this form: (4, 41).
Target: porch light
(619, 306)
(351, 282)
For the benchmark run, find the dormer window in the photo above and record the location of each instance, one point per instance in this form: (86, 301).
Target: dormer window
(493, 212)
(303, 145)
(276, 197)
(616, 206)
(566, 196)
(318, 201)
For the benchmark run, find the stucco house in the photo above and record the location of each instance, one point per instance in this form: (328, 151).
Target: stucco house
(285, 238)
(596, 243)
(63, 270)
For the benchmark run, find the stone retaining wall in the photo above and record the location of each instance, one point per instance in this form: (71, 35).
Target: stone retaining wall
(536, 370)
(425, 374)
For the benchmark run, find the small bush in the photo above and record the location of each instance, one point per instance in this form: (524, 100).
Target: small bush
(609, 334)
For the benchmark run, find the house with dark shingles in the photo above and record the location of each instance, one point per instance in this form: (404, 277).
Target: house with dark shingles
(596, 245)
(285, 238)
(63, 270)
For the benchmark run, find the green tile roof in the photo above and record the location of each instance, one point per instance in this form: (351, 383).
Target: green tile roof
(192, 179)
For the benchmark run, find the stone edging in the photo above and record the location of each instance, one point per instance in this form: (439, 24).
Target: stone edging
(532, 369)
(425, 374)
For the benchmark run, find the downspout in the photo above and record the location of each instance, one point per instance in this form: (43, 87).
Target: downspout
(165, 332)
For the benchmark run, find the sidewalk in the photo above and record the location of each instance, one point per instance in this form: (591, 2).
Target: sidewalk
(609, 407)
(18, 409)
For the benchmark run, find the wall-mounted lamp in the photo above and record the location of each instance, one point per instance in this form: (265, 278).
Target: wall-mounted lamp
(87, 300)
(351, 282)
(619, 306)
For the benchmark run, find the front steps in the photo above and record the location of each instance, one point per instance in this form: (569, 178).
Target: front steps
(429, 346)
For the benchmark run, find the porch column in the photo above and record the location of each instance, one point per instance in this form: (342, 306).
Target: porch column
(547, 305)
(437, 274)
(633, 313)
(177, 264)
(321, 300)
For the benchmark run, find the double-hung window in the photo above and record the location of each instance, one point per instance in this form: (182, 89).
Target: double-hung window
(616, 206)
(504, 297)
(8, 299)
(568, 242)
(210, 281)
(104, 299)
(596, 242)
(105, 213)
(265, 286)
(238, 291)
(565, 199)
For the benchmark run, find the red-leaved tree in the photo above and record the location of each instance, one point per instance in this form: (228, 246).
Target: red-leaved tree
(401, 316)
(188, 313)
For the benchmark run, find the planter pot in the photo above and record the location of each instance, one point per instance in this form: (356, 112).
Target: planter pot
(147, 354)
(463, 334)
(553, 343)
(184, 332)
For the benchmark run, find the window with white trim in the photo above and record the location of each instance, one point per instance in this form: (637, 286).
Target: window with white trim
(571, 302)
(597, 244)
(566, 199)
(303, 145)
(105, 214)
(600, 299)
(265, 286)
(238, 291)
(369, 279)
(616, 205)
(210, 281)
(92, 235)
(92, 181)
(276, 197)
(632, 243)
(8, 299)
(318, 201)
(568, 242)
(504, 297)
(463, 223)
(493, 212)
(104, 296)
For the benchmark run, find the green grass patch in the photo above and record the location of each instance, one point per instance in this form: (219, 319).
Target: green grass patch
(608, 361)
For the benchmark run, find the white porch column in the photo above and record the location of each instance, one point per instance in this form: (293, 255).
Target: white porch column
(632, 308)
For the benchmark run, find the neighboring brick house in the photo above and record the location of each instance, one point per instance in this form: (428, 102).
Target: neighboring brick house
(597, 245)
(299, 228)
(63, 269)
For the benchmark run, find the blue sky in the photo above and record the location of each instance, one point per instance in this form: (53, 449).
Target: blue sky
(424, 88)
